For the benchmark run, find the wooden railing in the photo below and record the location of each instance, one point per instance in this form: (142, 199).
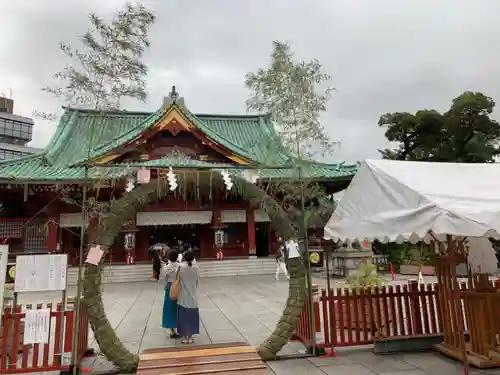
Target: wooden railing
(347, 317)
(16, 358)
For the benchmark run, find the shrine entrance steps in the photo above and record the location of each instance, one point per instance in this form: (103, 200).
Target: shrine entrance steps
(125, 273)
(216, 359)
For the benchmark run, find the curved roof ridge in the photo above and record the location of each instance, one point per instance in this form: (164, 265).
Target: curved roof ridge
(112, 111)
(62, 129)
(270, 131)
(147, 113)
(237, 116)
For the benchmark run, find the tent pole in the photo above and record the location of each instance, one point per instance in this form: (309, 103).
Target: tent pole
(458, 304)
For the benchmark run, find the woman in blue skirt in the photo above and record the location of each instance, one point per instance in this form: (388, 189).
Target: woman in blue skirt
(188, 315)
(169, 318)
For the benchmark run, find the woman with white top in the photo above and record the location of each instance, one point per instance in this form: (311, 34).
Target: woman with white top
(188, 315)
(169, 317)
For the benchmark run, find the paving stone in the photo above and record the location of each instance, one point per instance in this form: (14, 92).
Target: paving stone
(225, 336)
(288, 350)
(387, 365)
(331, 361)
(435, 364)
(297, 367)
(347, 370)
(490, 372)
(407, 372)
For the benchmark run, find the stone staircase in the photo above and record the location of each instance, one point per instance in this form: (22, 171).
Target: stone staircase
(121, 273)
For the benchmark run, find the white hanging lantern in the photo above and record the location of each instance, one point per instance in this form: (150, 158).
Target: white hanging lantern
(129, 241)
(219, 238)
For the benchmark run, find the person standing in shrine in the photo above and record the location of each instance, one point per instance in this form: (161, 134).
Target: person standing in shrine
(156, 265)
(180, 250)
(281, 256)
(188, 315)
(169, 316)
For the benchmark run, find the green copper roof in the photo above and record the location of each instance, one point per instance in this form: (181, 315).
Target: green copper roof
(36, 168)
(313, 170)
(178, 159)
(84, 134)
(81, 134)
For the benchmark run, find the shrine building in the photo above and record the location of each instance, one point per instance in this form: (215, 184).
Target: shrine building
(41, 194)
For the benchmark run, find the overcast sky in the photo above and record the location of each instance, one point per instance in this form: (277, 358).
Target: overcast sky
(383, 55)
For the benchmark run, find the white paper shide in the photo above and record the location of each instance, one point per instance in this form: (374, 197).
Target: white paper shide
(37, 326)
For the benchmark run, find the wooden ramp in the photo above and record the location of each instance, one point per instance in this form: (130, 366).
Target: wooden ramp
(227, 359)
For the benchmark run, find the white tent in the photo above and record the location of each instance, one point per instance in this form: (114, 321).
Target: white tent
(402, 201)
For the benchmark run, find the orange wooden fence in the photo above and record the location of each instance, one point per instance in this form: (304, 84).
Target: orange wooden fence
(346, 317)
(18, 358)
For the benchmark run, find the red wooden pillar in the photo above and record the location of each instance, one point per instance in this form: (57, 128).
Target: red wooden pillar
(141, 244)
(52, 228)
(252, 251)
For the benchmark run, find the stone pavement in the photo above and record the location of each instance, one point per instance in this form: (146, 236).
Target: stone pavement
(244, 308)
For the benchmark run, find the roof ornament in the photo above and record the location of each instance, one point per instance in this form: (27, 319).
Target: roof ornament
(176, 152)
(174, 94)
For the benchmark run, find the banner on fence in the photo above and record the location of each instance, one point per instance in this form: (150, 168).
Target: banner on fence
(40, 273)
(4, 254)
(37, 326)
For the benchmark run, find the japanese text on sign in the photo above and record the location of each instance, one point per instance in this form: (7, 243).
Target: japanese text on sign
(37, 273)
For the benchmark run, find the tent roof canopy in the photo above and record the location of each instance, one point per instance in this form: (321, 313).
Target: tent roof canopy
(394, 201)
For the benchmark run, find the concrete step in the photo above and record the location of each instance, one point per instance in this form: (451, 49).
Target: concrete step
(211, 268)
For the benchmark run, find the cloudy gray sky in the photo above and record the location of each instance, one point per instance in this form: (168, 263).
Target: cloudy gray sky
(383, 55)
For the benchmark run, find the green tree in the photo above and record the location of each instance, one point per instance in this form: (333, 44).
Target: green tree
(465, 133)
(294, 93)
(106, 68)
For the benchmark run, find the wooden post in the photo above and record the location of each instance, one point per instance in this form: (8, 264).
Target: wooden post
(52, 229)
(416, 316)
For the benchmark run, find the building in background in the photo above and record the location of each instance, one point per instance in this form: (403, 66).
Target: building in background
(15, 132)
(42, 194)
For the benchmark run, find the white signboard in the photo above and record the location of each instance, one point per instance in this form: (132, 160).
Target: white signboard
(36, 326)
(41, 273)
(4, 254)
